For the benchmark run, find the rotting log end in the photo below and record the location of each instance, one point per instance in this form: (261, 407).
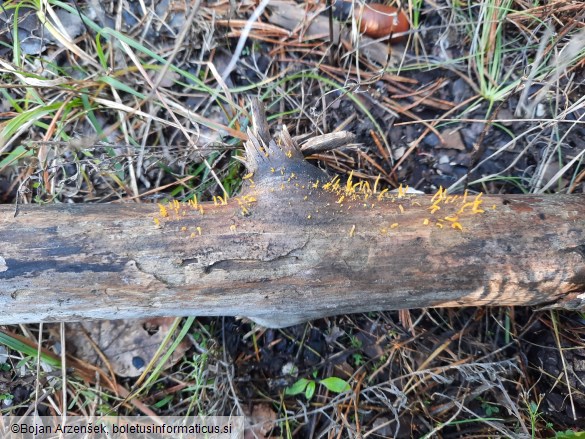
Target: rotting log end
(268, 159)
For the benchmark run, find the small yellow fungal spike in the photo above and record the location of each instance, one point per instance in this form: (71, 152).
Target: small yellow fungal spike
(434, 208)
(163, 210)
(381, 196)
(193, 235)
(376, 183)
(352, 231)
(308, 216)
(400, 191)
(438, 195)
(401, 208)
(457, 226)
(289, 154)
(247, 176)
(199, 230)
(463, 207)
(156, 222)
(233, 227)
(348, 185)
(394, 225)
(426, 221)
(439, 225)
(183, 229)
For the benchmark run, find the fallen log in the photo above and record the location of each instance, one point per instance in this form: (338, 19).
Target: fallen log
(294, 246)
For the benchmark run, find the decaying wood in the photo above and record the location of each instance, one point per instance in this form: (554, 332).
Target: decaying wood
(288, 250)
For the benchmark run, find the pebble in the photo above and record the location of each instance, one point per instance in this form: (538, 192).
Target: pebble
(431, 140)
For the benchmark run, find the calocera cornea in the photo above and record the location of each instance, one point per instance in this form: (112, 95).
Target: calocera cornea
(300, 191)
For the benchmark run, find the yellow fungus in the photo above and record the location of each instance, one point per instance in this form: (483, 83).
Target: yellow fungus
(352, 231)
(199, 230)
(457, 226)
(434, 208)
(400, 191)
(183, 229)
(438, 195)
(381, 196)
(289, 154)
(163, 210)
(245, 177)
(376, 183)
(233, 227)
(439, 225)
(193, 235)
(308, 216)
(426, 221)
(401, 208)
(348, 185)
(394, 225)
(156, 222)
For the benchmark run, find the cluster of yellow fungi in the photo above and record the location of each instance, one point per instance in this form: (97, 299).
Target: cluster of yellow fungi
(444, 209)
(366, 195)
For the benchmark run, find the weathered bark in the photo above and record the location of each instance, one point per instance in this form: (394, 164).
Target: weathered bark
(288, 251)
